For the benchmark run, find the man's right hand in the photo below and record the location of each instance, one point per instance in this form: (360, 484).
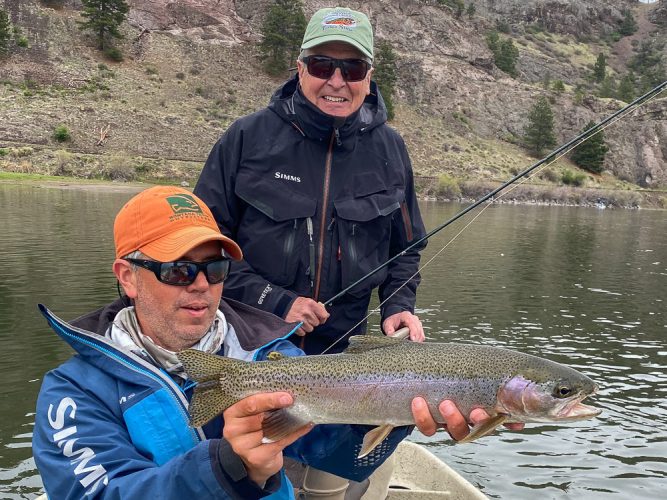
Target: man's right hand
(243, 431)
(310, 312)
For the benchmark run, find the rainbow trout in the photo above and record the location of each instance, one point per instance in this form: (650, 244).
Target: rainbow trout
(375, 379)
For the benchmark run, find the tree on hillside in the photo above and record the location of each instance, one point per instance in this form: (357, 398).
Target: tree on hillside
(589, 155)
(507, 58)
(471, 10)
(649, 64)
(493, 42)
(505, 54)
(607, 87)
(5, 32)
(103, 17)
(384, 74)
(559, 86)
(283, 29)
(628, 25)
(626, 88)
(600, 68)
(539, 133)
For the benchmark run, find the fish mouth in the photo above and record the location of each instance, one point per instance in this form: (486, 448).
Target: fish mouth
(576, 410)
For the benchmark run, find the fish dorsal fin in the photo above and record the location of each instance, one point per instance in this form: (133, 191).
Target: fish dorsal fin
(484, 428)
(278, 424)
(373, 438)
(363, 343)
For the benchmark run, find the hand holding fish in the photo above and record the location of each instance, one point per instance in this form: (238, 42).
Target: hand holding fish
(310, 312)
(243, 431)
(404, 319)
(455, 423)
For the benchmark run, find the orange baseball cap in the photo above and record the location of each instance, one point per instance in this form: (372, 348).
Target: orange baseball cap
(166, 222)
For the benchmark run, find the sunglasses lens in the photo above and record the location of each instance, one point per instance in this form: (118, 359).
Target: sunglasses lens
(217, 271)
(354, 70)
(185, 273)
(178, 273)
(321, 67)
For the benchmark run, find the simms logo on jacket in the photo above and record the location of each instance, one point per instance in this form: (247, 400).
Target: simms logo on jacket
(92, 476)
(287, 177)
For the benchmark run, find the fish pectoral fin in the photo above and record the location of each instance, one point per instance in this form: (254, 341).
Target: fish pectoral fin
(278, 424)
(484, 428)
(373, 438)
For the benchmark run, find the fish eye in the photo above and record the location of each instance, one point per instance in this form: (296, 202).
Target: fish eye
(562, 391)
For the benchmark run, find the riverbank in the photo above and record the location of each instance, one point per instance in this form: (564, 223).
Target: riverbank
(466, 191)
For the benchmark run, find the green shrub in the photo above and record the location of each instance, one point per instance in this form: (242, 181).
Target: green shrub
(61, 133)
(114, 54)
(151, 70)
(448, 187)
(572, 178)
(4, 151)
(22, 42)
(180, 75)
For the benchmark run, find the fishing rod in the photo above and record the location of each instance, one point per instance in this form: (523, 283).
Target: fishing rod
(584, 136)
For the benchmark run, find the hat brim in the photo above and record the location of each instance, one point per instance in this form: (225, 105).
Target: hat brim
(336, 38)
(176, 244)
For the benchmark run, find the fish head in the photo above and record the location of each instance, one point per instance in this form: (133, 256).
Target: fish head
(550, 399)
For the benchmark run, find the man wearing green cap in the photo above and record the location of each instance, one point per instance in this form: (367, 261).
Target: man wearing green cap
(318, 191)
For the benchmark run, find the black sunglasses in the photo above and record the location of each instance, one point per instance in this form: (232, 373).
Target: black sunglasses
(184, 272)
(323, 67)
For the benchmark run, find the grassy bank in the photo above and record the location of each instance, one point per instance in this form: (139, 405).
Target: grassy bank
(46, 164)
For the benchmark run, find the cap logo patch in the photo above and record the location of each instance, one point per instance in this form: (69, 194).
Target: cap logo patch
(339, 20)
(182, 203)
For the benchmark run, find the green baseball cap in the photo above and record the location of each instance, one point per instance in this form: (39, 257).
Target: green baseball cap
(339, 24)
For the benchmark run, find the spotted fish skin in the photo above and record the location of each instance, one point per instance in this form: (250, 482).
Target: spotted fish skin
(375, 379)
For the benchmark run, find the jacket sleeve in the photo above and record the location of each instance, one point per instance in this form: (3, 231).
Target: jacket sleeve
(407, 227)
(215, 187)
(82, 448)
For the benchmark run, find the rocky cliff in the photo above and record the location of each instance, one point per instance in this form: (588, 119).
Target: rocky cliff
(191, 67)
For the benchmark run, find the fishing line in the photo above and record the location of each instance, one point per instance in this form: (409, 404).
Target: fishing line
(543, 163)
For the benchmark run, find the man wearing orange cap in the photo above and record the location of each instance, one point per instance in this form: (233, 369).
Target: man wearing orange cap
(112, 422)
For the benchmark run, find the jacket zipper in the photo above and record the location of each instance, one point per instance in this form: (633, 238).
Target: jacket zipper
(323, 218)
(406, 221)
(289, 242)
(311, 254)
(352, 244)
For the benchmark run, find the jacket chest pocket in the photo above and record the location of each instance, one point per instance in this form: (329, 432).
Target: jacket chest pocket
(273, 231)
(364, 235)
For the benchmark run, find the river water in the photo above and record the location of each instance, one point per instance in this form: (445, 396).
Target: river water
(584, 287)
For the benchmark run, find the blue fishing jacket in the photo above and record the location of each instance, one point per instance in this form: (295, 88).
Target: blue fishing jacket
(110, 424)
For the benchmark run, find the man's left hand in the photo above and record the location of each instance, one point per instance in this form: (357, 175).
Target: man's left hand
(403, 319)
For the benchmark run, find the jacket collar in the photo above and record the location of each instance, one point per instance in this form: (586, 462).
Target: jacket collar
(291, 105)
(254, 328)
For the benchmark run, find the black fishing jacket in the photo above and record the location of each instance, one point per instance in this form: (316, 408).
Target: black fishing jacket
(315, 203)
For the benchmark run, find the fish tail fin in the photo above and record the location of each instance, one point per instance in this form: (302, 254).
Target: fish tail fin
(214, 376)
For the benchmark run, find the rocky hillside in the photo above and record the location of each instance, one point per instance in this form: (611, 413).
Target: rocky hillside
(191, 67)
